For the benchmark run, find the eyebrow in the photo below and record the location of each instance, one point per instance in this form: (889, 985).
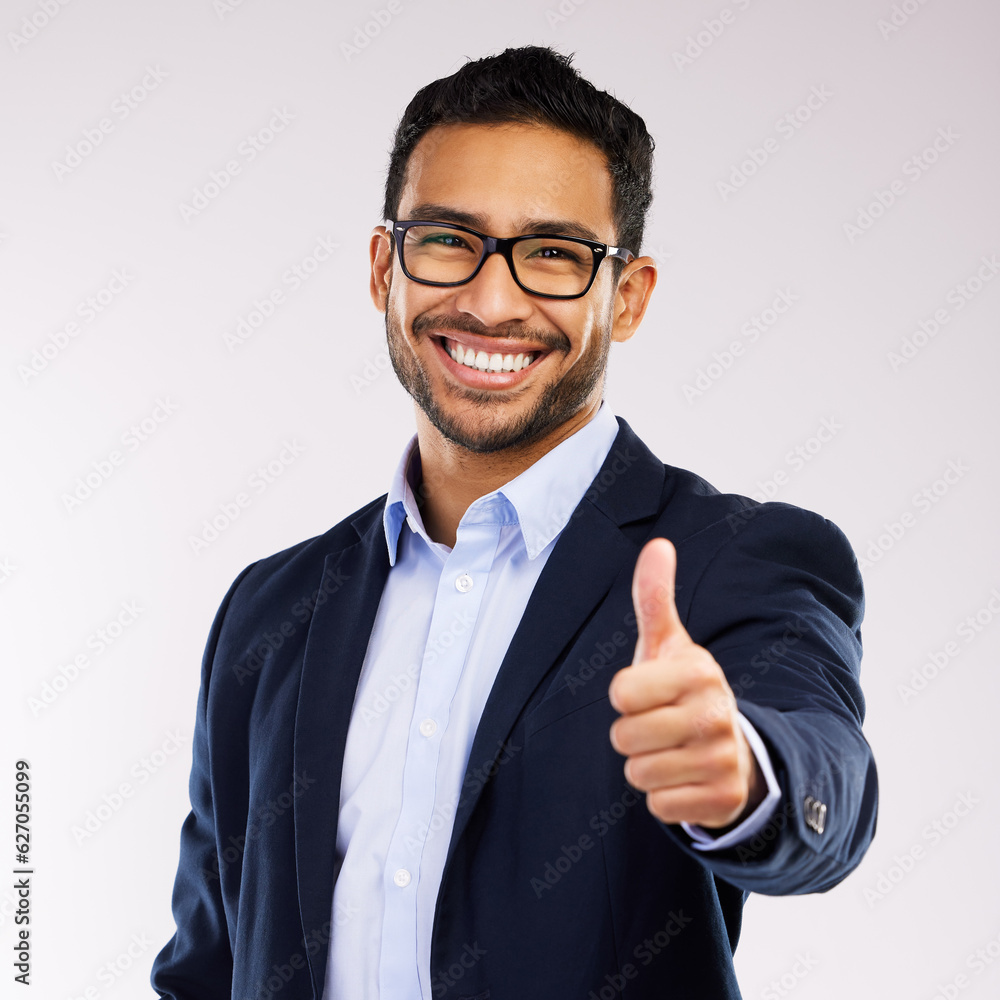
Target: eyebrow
(552, 227)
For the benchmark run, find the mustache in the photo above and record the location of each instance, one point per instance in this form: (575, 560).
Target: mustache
(550, 339)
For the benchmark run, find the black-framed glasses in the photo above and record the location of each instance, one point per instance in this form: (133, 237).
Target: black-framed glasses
(556, 267)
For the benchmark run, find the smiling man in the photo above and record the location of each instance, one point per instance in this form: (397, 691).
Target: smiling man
(555, 707)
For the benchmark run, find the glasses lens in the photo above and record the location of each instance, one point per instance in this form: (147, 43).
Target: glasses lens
(437, 253)
(553, 266)
(547, 264)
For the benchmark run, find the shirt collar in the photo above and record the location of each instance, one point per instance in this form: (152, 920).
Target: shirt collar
(541, 499)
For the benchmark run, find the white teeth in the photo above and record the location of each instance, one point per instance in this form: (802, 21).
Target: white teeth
(488, 362)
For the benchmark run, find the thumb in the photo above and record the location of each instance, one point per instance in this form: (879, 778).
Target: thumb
(653, 598)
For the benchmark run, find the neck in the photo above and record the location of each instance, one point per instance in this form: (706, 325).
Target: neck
(452, 477)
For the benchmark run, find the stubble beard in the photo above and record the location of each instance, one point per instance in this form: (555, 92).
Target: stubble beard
(487, 431)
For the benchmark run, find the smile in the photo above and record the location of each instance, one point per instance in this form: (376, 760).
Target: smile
(485, 361)
(474, 365)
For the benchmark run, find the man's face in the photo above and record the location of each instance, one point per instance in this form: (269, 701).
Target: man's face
(502, 180)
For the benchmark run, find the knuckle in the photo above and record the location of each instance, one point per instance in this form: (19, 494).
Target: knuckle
(713, 721)
(700, 670)
(623, 738)
(723, 758)
(637, 771)
(627, 700)
(623, 686)
(721, 718)
(659, 804)
(732, 798)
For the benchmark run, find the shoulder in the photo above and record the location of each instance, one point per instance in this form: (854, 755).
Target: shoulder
(731, 539)
(286, 582)
(739, 558)
(647, 497)
(696, 508)
(635, 481)
(732, 530)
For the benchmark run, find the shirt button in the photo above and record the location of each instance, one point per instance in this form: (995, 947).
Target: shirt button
(402, 877)
(428, 727)
(464, 583)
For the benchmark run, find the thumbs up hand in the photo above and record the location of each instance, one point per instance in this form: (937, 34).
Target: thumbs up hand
(679, 724)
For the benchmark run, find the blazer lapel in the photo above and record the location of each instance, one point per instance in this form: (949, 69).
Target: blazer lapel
(335, 652)
(588, 556)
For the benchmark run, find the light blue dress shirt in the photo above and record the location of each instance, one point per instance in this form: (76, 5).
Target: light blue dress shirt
(444, 622)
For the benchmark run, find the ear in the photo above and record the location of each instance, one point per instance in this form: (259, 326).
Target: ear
(635, 287)
(380, 255)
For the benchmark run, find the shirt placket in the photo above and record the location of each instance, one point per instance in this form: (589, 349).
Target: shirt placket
(457, 606)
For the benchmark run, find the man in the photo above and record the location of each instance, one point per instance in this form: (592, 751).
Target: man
(493, 735)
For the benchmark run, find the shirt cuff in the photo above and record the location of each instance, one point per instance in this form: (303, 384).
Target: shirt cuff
(704, 840)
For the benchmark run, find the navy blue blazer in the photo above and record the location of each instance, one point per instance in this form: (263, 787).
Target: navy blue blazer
(559, 883)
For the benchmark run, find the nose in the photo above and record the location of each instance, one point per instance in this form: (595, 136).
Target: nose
(493, 296)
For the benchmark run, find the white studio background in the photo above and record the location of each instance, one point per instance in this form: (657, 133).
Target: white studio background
(843, 156)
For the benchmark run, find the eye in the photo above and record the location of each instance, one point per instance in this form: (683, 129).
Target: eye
(451, 240)
(556, 252)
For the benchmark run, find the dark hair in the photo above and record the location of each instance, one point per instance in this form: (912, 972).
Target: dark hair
(536, 85)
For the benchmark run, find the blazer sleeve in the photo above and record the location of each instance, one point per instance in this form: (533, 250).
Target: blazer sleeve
(780, 606)
(197, 962)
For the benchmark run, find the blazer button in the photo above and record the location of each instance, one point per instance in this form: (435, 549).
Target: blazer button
(815, 814)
